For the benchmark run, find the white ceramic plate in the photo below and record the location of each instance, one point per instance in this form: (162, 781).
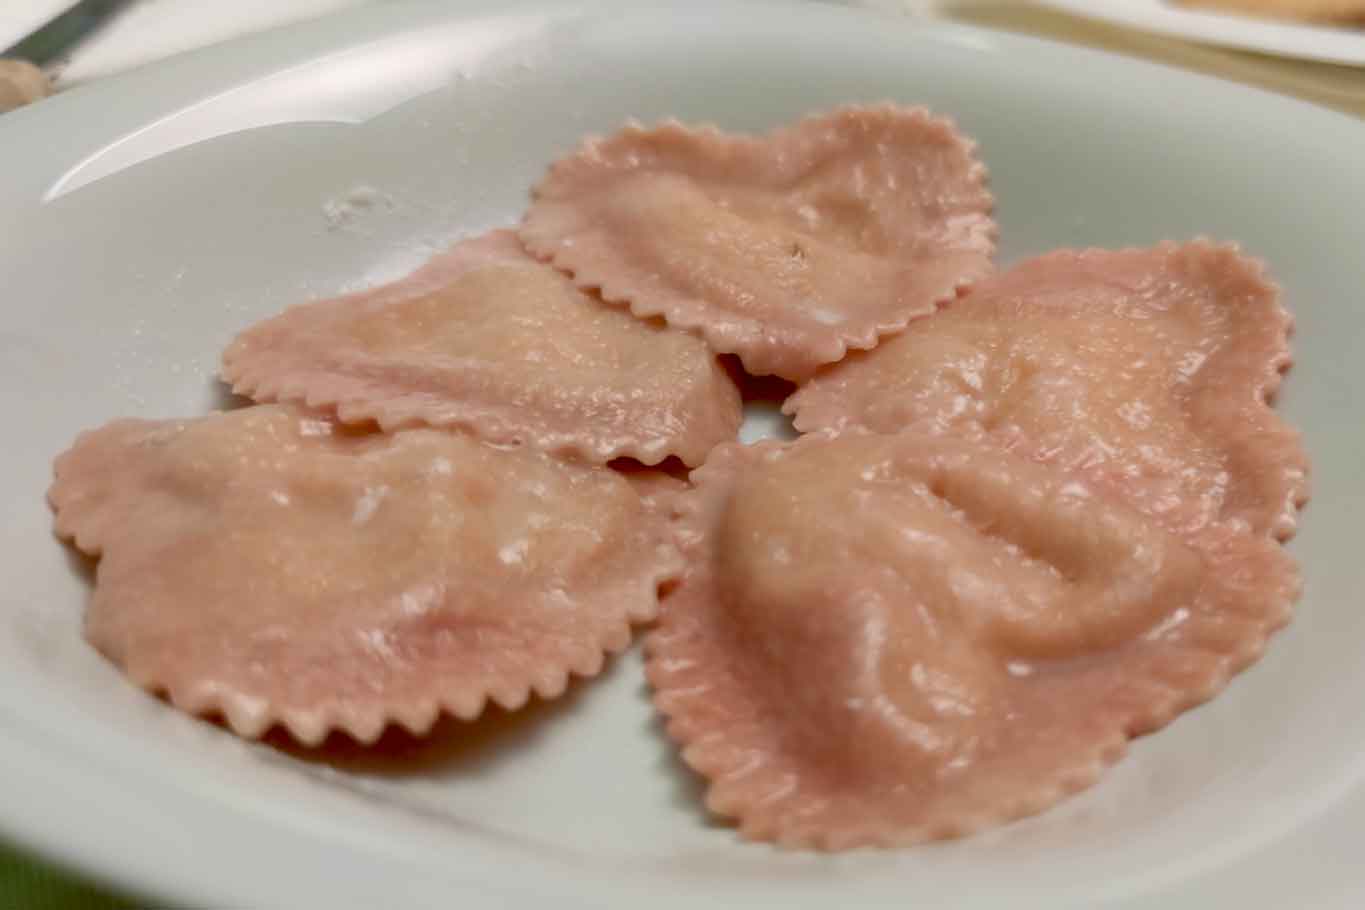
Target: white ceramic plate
(146, 219)
(1266, 36)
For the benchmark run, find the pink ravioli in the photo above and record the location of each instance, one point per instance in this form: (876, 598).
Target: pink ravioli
(271, 566)
(485, 338)
(1150, 368)
(882, 640)
(786, 249)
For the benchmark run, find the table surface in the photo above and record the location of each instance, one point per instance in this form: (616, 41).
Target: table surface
(150, 30)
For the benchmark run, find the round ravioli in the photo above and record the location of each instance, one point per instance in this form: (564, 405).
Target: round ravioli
(786, 249)
(881, 640)
(271, 566)
(488, 339)
(1152, 368)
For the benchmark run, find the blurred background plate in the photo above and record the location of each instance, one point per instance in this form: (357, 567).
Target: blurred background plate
(150, 216)
(1345, 45)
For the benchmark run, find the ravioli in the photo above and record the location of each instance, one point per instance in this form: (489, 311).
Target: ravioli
(881, 640)
(274, 567)
(487, 339)
(786, 249)
(1149, 368)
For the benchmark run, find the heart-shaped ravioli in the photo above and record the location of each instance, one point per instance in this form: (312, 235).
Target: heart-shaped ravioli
(888, 639)
(786, 249)
(271, 566)
(1150, 368)
(487, 339)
